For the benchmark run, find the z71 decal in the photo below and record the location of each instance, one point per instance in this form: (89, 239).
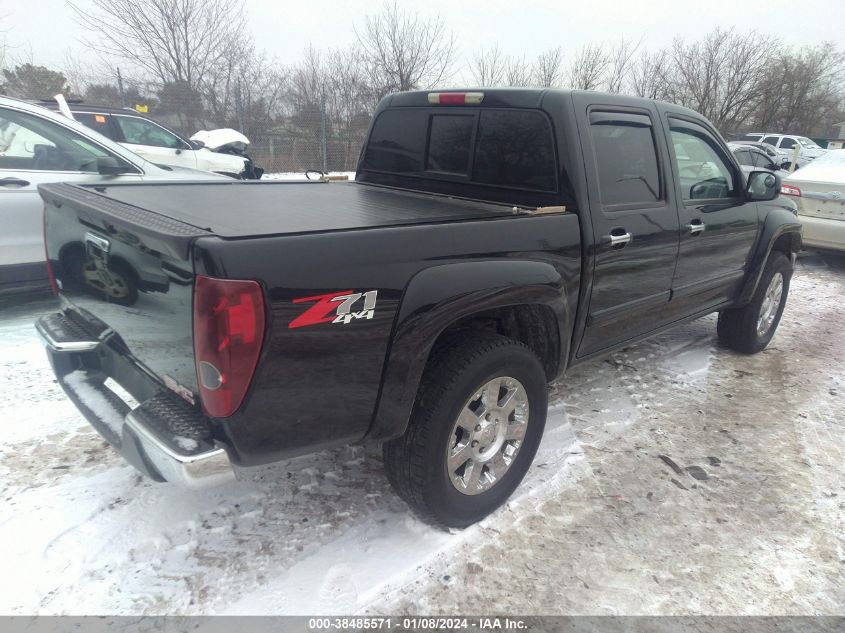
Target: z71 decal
(337, 307)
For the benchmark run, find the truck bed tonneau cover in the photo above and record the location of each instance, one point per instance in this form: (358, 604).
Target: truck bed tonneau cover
(245, 209)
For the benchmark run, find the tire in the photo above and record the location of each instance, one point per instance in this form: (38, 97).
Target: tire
(125, 280)
(417, 463)
(749, 329)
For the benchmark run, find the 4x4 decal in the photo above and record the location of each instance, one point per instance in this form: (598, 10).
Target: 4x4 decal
(337, 307)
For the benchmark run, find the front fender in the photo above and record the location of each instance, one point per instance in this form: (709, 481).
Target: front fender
(779, 221)
(439, 296)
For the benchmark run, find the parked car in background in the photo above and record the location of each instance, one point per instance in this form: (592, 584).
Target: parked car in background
(751, 158)
(161, 145)
(785, 144)
(819, 192)
(39, 146)
(772, 152)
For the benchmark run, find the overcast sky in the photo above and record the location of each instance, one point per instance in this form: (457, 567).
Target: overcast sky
(45, 30)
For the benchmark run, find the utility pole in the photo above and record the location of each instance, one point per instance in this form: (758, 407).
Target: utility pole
(120, 88)
(239, 108)
(324, 141)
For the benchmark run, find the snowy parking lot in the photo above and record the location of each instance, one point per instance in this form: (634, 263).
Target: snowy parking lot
(675, 477)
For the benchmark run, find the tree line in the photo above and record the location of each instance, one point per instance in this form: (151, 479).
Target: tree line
(194, 63)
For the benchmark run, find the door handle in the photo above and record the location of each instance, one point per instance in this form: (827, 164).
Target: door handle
(618, 238)
(13, 182)
(696, 226)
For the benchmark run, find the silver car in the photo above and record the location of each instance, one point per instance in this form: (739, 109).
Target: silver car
(753, 158)
(39, 146)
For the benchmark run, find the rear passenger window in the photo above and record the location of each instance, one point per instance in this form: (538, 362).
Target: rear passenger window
(515, 149)
(771, 140)
(744, 157)
(787, 143)
(449, 143)
(626, 158)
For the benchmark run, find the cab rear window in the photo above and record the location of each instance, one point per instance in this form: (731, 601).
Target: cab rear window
(504, 148)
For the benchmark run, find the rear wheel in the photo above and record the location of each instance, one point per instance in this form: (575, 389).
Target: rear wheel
(474, 430)
(750, 329)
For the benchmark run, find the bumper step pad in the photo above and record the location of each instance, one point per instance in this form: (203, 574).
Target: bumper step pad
(176, 424)
(61, 333)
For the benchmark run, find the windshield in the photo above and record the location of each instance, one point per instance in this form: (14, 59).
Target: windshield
(808, 143)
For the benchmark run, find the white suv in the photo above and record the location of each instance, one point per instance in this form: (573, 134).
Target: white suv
(158, 144)
(785, 144)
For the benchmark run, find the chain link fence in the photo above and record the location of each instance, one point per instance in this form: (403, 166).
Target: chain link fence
(283, 138)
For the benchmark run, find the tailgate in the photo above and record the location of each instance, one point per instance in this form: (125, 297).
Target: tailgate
(126, 274)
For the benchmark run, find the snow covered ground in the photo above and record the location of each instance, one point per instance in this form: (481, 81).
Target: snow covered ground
(675, 477)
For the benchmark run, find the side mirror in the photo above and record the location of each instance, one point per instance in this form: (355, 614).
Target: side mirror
(110, 166)
(762, 186)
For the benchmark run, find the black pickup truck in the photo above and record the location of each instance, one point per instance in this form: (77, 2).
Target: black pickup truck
(490, 241)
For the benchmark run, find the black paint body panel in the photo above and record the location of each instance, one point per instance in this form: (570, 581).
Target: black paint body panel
(321, 385)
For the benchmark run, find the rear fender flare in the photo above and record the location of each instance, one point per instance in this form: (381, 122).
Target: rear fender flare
(438, 297)
(778, 222)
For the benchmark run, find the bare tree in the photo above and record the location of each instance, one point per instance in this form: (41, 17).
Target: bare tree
(720, 75)
(174, 40)
(620, 64)
(348, 104)
(803, 89)
(548, 69)
(333, 82)
(245, 89)
(403, 51)
(488, 67)
(492, 68)
(518, 72)
(588, 68)
(649, 75)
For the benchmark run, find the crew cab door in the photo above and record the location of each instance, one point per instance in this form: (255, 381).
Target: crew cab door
(718, 225)
(634, 222)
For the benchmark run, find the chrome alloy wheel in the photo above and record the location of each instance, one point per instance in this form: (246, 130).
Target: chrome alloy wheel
(487, 435)
(770, 305)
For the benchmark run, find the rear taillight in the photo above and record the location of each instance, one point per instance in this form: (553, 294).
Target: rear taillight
(50, 274)
(455, 98)
(228, 333)
(790, 190)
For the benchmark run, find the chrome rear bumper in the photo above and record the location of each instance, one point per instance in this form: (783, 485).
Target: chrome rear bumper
(164, 437)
